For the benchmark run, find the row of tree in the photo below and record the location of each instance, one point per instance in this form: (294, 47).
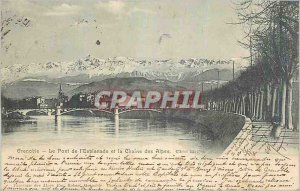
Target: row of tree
(264, 91)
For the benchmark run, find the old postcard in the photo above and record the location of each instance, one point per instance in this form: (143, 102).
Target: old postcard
(149, 95)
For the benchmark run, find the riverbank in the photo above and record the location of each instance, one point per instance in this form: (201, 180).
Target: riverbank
(224, 127)
(15, 118)
(252, 151)
(228, 128)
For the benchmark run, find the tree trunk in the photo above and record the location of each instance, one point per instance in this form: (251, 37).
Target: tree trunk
(261, 103)
(243, 105)
(283, 101)
(240, 106)
(255, 106)
(274, 98)
(268, 103)
(228, 106)
(221, 105)
(236, 104)
(238, 109)
(258, 106)
(233, 105)
(289, 118)
(247, 105)
(250, 105)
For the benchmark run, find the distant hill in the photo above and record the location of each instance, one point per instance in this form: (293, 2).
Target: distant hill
(127, 84)
(208, 75)
(23, 89)
(31, 88)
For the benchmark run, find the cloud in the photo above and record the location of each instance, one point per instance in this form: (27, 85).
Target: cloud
(114, 6)
(121, 8)
(140, 10)
(63, 10)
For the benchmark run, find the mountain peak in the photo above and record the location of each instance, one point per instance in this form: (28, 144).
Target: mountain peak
(152, 69)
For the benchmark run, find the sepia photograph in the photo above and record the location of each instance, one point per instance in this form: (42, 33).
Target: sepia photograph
(149, 95)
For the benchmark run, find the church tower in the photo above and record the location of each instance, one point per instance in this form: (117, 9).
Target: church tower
(61, 96)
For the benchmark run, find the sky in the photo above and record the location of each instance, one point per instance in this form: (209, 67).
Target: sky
(66, 30)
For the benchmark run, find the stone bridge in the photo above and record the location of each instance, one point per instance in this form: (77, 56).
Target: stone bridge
(65, 111)
(115, 111)
(48, 111)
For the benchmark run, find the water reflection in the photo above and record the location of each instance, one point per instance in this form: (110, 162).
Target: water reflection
(58, 124)
(117, 124)
(66, 130)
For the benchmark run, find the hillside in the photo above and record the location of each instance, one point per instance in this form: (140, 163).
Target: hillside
(209, 75)
(23, 89)
(127, 84)
(30, 88)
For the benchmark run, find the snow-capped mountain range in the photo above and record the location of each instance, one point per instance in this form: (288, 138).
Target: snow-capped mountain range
(173, 70)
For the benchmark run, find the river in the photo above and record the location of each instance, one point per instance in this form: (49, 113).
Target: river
(96, 132)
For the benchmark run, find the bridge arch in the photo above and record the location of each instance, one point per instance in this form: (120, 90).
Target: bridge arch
(130, 110)
(29, 111)
(36, 112)
(140, 113)
(92, 111)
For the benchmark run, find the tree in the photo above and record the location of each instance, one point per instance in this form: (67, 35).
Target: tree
(273, 28)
